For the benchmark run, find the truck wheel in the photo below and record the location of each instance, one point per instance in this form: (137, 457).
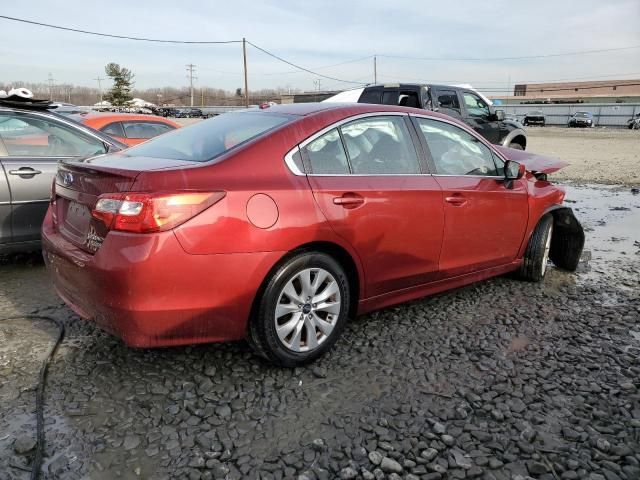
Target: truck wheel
(302, 311)
(536, 257)
(516, 146)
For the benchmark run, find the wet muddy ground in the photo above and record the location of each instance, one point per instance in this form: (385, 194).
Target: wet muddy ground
(498, 380)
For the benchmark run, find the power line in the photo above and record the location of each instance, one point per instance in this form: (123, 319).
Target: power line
(301, 68)
(124, 37)
(50, 80)
(324, 66)
(525, 57)
(191, 68)
(99, 80)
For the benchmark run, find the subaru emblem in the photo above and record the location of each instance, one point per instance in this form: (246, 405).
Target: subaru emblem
(67, 178)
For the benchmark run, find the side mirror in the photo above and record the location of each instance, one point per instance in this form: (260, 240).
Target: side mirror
(513, 170)
(500, 115)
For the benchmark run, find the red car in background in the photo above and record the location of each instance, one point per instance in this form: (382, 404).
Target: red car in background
(128, 128)
(276, 225)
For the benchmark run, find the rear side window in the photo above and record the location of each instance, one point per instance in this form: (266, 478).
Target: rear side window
(390, 97)
(145, 129)
(326, 155)
(206, 140)
(380, 146)
(114, 129)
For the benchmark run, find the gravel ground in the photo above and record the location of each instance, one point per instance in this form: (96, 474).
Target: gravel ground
(596, 155)
(499, 380)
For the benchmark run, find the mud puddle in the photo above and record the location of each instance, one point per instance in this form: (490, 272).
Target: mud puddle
(610, 216)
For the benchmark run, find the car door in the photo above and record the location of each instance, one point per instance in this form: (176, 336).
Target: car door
(485, 220)
(34, 143)
(367, 179)
(477, 114)
(5, 202)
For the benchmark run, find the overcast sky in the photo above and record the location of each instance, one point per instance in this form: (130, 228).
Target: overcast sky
(321, 33)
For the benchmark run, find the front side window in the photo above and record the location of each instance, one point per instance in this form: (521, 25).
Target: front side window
(456, 152)
(326, 155)
(475, 105)
(448, 99)
(209, 139)
(380, 145)
(26, 135)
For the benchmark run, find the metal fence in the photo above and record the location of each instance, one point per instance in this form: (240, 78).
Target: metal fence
(605, 114)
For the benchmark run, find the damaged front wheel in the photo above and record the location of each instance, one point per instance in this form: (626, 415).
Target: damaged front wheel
(536, 257)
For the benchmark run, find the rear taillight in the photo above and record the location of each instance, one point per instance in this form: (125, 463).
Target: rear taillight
(151, 212)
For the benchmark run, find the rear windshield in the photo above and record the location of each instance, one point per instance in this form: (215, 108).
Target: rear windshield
(211, 138)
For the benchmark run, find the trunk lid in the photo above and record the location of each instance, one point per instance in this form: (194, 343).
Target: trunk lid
(533, 162)
(79, 183)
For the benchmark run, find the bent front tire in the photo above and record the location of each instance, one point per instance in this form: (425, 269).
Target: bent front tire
(536, 257)
(302, 311)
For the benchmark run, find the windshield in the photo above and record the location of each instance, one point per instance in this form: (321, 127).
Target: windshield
(582, 115)
(211, 138)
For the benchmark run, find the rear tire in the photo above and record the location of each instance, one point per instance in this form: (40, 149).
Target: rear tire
(302, 311)
(536, 257)
(516, 146)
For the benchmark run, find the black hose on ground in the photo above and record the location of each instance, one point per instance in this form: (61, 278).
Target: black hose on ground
(37, 458)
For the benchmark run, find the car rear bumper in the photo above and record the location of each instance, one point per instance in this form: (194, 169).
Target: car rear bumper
(148, 291)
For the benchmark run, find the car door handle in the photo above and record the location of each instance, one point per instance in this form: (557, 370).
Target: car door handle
(457, 200)
(349, 200)
(26, 171)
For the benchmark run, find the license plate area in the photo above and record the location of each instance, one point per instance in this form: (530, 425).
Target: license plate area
(76, 222)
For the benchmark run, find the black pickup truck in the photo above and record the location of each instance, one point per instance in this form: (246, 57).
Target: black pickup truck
(461, 103)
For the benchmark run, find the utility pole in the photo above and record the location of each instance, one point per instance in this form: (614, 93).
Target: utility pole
(246, 82)
(375, 69)
(317, 82)
(50, 80)
(191, 68)
(202, 99)
(99, 80)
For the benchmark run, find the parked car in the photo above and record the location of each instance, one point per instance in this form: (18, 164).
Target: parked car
(458, 102)
(582, 119)
(168, 112)
(32, 141)
(128, 128)
(194, 113)
(634, 122)
(277, 224)
(536, 117)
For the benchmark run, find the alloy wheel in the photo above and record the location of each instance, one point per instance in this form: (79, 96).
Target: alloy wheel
(307, 310)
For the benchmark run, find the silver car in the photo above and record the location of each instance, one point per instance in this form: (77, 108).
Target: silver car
(32, 141)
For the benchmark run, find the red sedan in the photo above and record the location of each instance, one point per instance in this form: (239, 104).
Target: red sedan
(128, 128)
(277, 225)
